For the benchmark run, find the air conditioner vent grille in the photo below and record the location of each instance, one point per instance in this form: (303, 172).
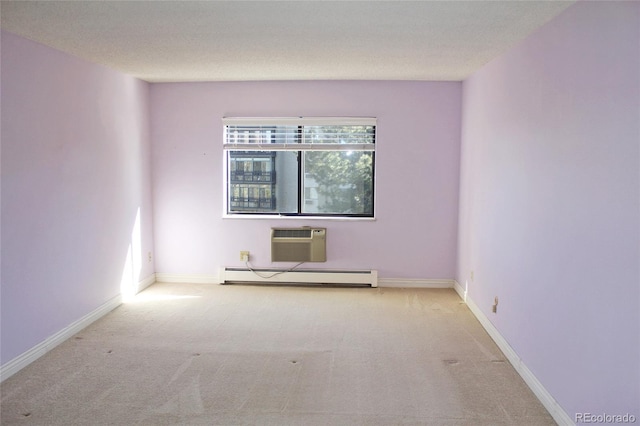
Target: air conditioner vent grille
(292, 233)
(298, 244)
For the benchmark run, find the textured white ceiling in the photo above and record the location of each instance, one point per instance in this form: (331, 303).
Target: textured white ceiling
(161, 41)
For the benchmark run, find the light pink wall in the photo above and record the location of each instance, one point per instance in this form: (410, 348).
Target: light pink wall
(75, 170)
(417, 160)
(549, 207)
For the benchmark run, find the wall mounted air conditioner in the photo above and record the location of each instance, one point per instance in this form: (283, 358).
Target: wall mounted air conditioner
(299, 244)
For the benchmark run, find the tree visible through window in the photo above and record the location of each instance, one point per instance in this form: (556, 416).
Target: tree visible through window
(300, 166)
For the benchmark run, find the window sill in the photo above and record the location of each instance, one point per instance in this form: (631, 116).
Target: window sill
(298, 218)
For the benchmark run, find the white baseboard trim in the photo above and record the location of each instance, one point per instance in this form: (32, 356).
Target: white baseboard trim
(556, 411)
(414, 283)
(187, 279)
(21, 361)
(462, 292)
(146, 282)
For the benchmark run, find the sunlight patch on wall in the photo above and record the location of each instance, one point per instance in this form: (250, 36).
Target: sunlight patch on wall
(133, 263)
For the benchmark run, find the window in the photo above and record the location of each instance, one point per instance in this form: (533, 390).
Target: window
(300, 166)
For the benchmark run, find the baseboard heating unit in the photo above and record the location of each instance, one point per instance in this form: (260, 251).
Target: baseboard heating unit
(360, 278)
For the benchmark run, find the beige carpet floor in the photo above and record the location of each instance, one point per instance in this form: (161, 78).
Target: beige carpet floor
(195, 354)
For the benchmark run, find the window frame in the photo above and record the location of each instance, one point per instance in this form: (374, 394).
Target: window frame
(299, 147)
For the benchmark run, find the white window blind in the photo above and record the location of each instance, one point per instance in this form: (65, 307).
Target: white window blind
(299, 134)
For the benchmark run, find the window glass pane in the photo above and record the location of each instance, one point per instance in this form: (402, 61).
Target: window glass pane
(338, 182)
(261, 134)
(263, 182)
(314, 168)
(286, 188)
(339, 134)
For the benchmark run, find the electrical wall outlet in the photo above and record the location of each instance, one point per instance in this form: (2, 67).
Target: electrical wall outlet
(494, 308)
(244, 256)
(150, 257)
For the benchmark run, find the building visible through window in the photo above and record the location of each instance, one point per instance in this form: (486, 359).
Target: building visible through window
(252, 181)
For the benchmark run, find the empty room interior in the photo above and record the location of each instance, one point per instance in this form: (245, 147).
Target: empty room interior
(323, 212)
